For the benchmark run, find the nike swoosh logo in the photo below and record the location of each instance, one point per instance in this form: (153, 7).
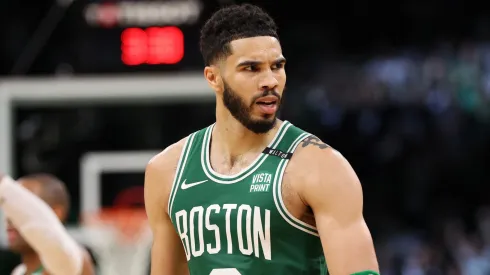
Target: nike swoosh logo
(189, 185)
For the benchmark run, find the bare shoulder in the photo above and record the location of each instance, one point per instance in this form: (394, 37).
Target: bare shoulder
(160, 172)
(314, 158)
(316, 166)
(167, 160)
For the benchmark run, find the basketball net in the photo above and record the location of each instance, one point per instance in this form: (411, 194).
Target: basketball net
(121, 240)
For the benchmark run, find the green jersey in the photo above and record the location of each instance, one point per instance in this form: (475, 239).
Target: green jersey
(238, 224)
(38, 271)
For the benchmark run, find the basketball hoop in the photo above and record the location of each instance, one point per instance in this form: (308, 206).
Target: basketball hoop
(121, 237)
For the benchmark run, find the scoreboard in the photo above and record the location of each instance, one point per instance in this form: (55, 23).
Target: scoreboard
(140, 36)
(106, 36)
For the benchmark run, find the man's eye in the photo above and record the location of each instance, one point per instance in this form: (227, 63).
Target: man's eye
(278, 66)
(251, 68)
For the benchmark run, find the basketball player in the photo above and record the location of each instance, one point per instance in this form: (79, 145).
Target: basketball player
(35, 206)
(252, 194)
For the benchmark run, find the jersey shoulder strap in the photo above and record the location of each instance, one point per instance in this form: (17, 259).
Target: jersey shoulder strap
(288, 143)
(199, 136)
(192, 147)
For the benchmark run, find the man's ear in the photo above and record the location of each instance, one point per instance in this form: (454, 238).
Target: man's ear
(213, 77)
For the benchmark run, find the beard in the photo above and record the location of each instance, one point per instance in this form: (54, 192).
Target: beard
(241, 111)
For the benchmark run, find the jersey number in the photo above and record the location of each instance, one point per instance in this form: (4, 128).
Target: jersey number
(224, 271)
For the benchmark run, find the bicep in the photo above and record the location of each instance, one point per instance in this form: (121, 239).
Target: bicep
(167, 253)
(337, 202)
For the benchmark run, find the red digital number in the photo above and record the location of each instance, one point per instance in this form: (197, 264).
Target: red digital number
(154, 45)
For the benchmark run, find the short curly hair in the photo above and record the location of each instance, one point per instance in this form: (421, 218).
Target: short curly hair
(232, 23)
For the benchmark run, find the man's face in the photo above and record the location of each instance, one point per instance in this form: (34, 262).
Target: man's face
(253, 82)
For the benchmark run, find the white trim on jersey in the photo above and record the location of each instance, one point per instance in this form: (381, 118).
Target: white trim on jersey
(277, 193)
(179, 171)
(230, 179)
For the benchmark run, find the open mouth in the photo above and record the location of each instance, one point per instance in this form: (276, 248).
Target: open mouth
(267, 100)
(267, 104)
(272, 102)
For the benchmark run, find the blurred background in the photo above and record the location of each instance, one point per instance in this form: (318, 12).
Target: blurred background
(91, 88)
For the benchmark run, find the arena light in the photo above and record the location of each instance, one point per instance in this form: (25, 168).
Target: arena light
(154, 45)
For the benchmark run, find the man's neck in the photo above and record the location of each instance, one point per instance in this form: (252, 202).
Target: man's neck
(234, 139)
(31, 261)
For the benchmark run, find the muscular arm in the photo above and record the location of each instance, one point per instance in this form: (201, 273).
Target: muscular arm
(334, 193)
(167, 253)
